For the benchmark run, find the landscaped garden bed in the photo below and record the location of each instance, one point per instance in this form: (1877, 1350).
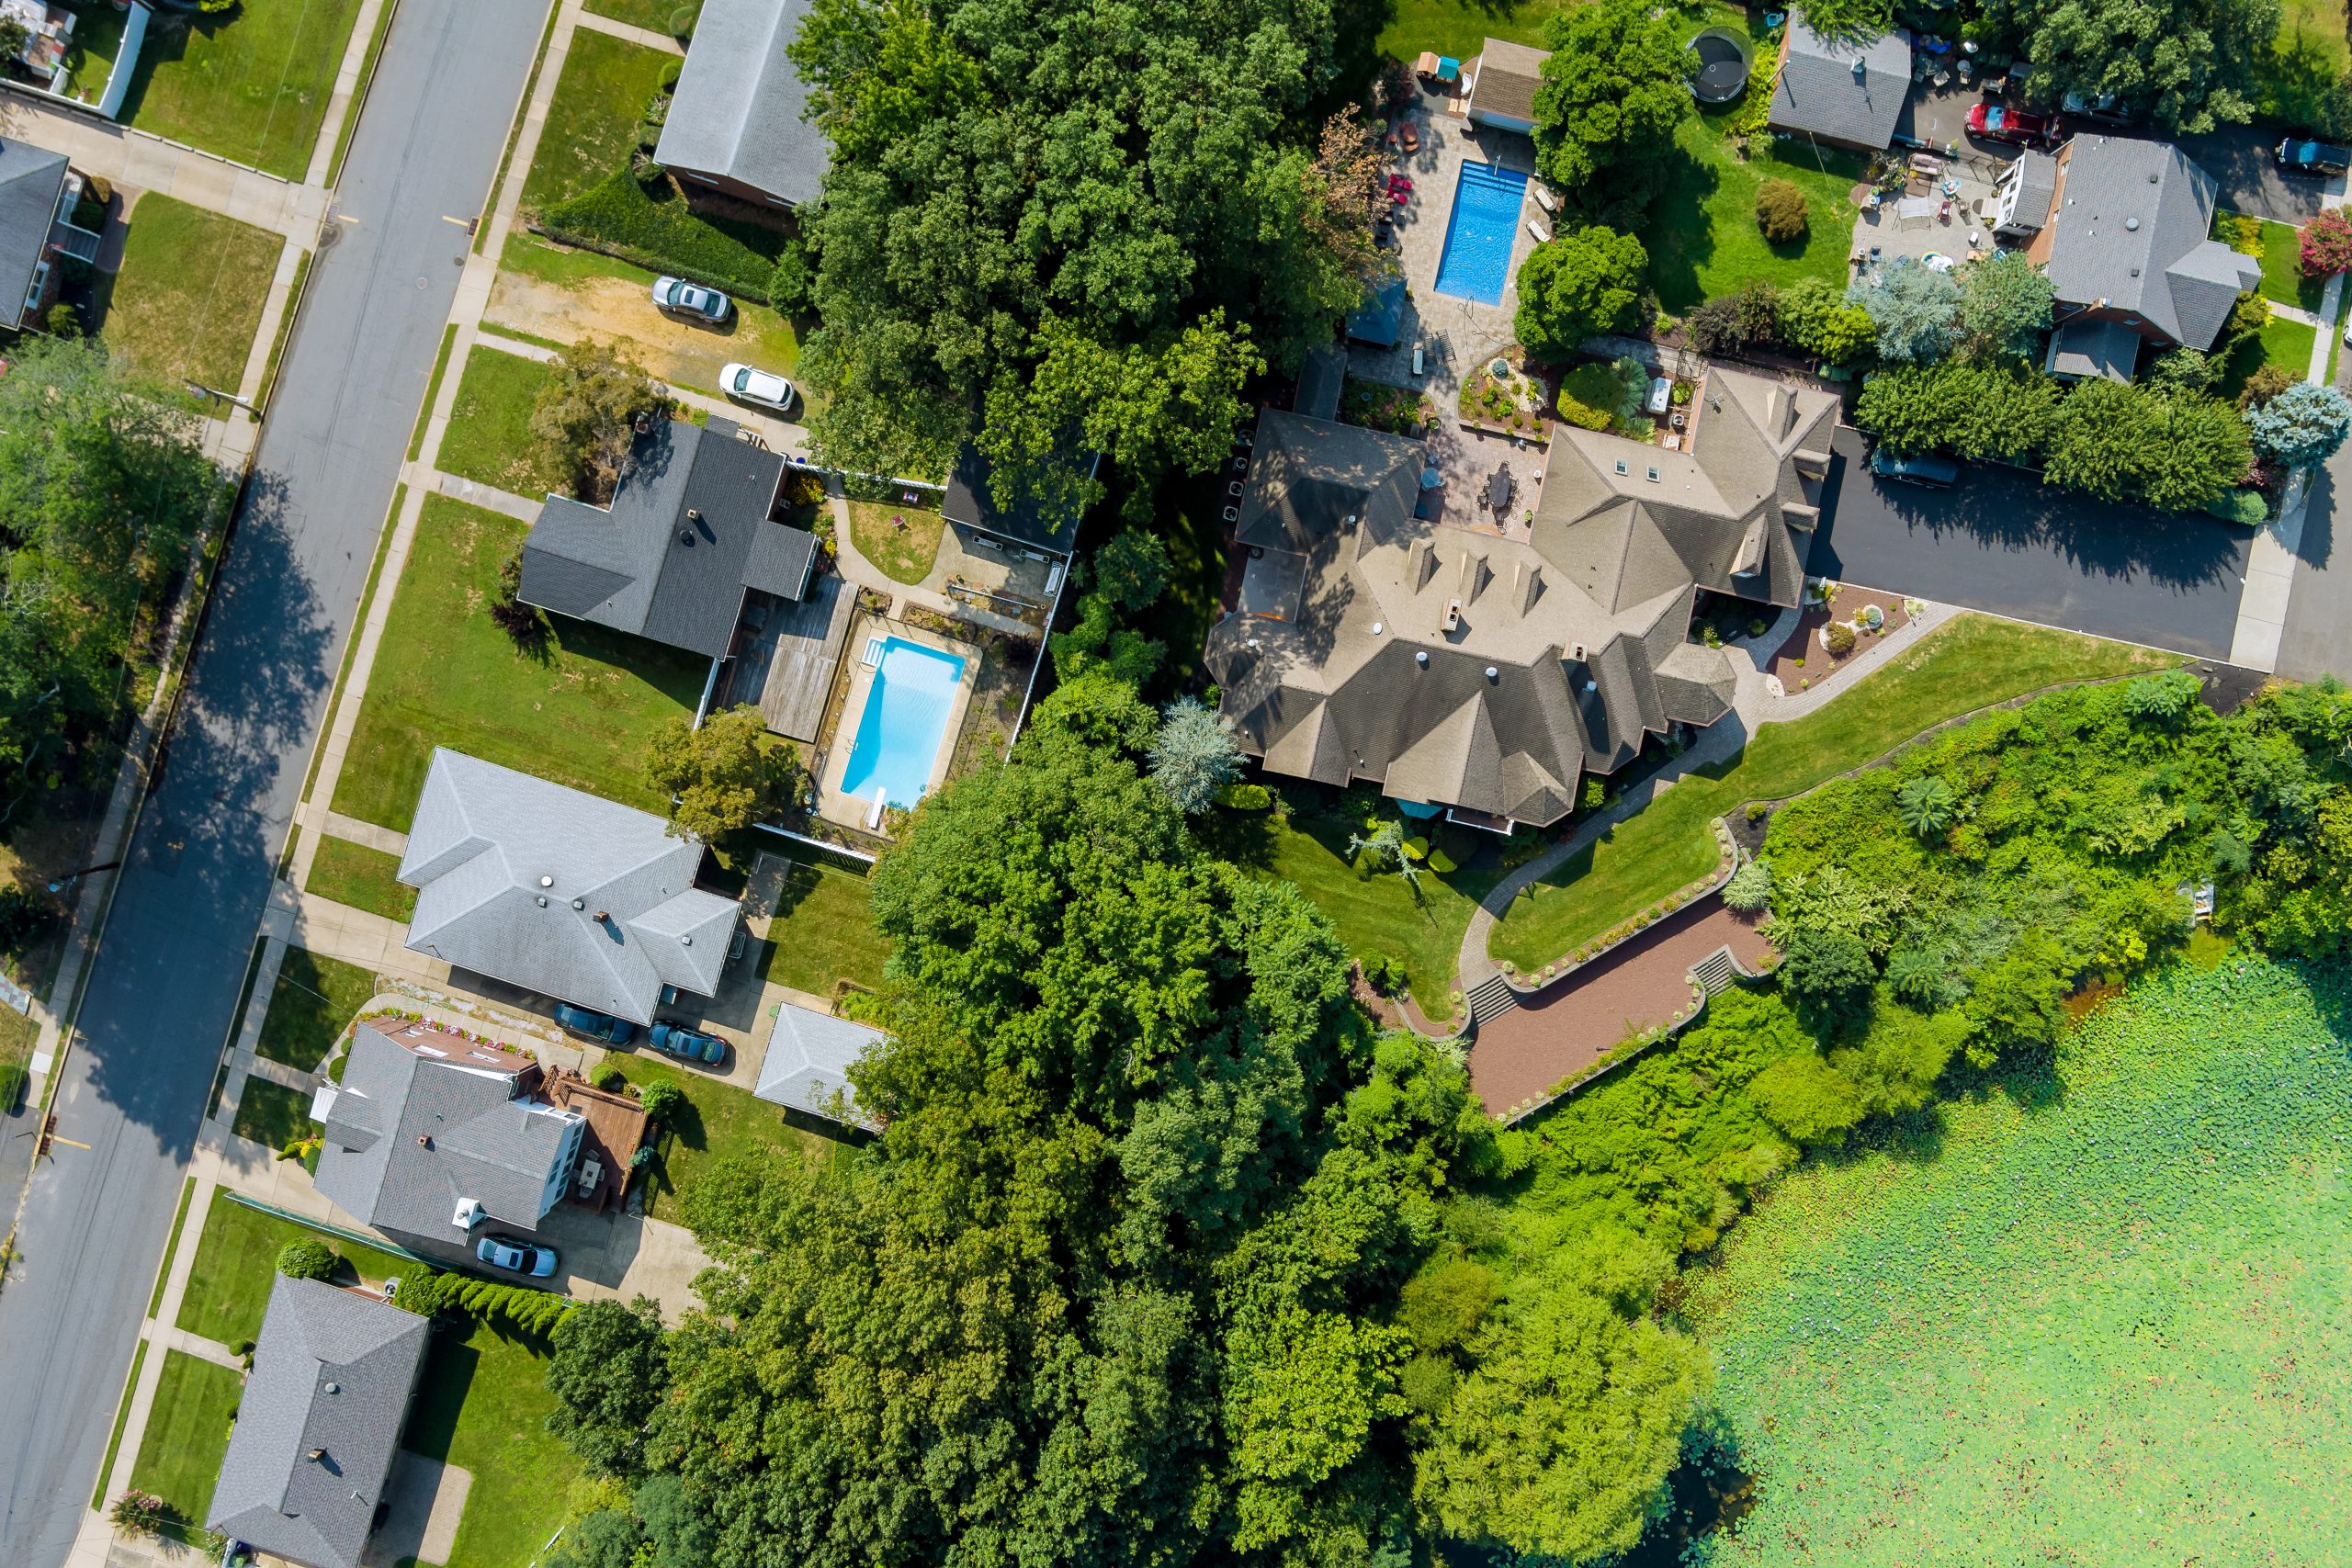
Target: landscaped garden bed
(1376, 405)
(1814, 651)
(1502, 399)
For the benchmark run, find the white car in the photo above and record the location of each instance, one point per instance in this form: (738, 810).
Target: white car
(515, 1255)
(680, 298)
(752, 385)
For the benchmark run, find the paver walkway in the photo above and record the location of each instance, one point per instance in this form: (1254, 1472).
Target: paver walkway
(1563, 1030)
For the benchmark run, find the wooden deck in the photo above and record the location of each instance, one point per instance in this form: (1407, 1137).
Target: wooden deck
(785, 668)
(617, 1126)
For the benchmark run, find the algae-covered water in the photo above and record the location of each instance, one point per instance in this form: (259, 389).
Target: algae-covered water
(2104, 1317)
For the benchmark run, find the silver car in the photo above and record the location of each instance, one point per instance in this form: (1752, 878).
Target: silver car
(517, 1255)
(680, 298)
(763, 387)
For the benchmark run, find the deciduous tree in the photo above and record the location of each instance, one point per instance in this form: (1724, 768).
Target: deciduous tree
(2186, 64)
(587, 413)
(1614, 91)
(724, 776)
(1578, 286)
(2005, 302)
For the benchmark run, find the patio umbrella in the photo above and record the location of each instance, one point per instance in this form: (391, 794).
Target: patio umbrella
(1431, 478)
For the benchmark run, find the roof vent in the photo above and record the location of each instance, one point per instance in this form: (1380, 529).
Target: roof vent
(335, 1388)
(1376, 628)
(1861, 70)
(2154, 178)
(686, 942)
(424, 1140)
(1493, 673)
(541, 900)
(547, 882)
(315, 1455)
(580, 903)
(1421, 656)
(686, 535)
(1351, 520)
(693, 515)
(2135, 272)
(2133, 225)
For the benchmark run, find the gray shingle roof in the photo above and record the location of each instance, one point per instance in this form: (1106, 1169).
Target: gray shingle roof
(1584, 628)
(808, 1058)
(2037, 176)
(409, 1135)
(738, 105)
(1509, 74)
(2094, 348)
(1820, 92)
(689, 531)
(971, 500)
(31, 181)
(2131, 227)
(500, 859)
(333, 1373)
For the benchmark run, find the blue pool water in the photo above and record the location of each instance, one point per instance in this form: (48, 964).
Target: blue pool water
(1477, 261)
(905, 720)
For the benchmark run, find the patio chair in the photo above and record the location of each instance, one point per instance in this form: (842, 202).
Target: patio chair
(1411, 136)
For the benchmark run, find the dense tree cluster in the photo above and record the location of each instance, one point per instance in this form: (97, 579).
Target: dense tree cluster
(1111, 1284)
(1809, 315)
(1068, 226)
(1614, 90)
(2186, 64)
(103, 489)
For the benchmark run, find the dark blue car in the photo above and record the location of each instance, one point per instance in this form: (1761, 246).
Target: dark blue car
(688, 1044)
(601, 1026)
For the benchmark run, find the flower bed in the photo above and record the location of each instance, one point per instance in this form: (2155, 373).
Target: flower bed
(1806, 659)
(1500, 406)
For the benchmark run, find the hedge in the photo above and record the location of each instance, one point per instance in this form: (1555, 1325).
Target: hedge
(524, 1310)
(654, 228)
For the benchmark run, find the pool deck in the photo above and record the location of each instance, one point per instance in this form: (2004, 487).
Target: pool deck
(845, 810)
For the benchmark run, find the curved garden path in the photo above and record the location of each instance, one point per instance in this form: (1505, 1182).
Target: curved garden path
(1753, 707)
(1639, 985)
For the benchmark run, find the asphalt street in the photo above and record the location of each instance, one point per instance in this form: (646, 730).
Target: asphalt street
(173, 956)
(2002, 541)
(2318, 636)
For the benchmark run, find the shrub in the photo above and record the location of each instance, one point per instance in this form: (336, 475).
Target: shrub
(789, 283)
(1384, 972)
(1839, 639)
(1780, 211)
(2326, 245)
(2245, 507)
(612, 1080)
(2266, 382)
(138, 1513)
(1750, 887)
(2241, 234)
(307, 1258)
(660, 1099)
(1581, 414)
(1245, 797)
(683, 20)
(651, 225)
(2301, 427)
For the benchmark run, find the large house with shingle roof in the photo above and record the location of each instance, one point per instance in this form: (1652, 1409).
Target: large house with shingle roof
(2124, 227)
(559, 891)
(1487, 673)
(431, 1134)
(318, 1423)
(736, 123)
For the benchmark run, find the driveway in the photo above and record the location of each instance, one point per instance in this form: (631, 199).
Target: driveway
(2238, 157)
(2003, 542)
(162, 988)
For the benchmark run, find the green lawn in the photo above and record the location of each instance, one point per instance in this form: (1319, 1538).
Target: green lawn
(362, 877)
(1702, 234)
(2282, 281)
(1965, 665)
(489, 438)
(97, 41)
(313, 999)
(251, 83)
(652, 15)
(236, 1263)
(1459, 28)
(190, 296)
(904, 555)
(592, 123)
(2316, 28)
(2287, 344)
(187, 1434)
(271, 1114)
(17, 1035)
(823, 932)
(581, 713)
(718, 1121)
(1377, 913)
(482, 1405)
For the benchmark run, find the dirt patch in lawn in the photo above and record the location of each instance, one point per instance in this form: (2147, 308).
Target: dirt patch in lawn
(613, 308)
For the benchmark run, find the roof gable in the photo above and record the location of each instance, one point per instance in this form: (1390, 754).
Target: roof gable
(740, 108)
(32, 181)
(1821, 91)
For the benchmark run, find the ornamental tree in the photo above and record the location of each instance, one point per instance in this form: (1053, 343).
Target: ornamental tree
(2005, 304)
(1195, 755)
(1780, 211)
(2326, 245)
(1580, 285)
(1815, 317)
(1915, 309)
(724, 776)
(1614, 91)
(2302, 425)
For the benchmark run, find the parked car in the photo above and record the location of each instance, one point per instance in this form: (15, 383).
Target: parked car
(601, 1026)
(756, 386)
(678, 296)
(1999, 122)
(1926, 468)
(517, 1255)
(2320, 158)
(688, 1044)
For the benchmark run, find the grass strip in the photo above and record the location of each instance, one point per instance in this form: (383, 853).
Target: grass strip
(121, 1416)
(515, 131)
(361, 877)
(284, 329)
(1972, 661)
(432, 394)
(163, 1269)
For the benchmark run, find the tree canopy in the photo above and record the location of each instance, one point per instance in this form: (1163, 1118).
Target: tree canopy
(2005, 304)
(2186, 64)
(1915, 309)
(1614, 91)
(1062, 225)
(1582, 284)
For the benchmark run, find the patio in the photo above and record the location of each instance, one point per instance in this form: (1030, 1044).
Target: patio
(1935, 214)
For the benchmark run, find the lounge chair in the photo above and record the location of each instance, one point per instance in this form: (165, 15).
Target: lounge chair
(1544, 198)
(1412, 137)
(1540, 230)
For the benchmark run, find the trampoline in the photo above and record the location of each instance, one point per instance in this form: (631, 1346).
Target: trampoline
(1722, 66)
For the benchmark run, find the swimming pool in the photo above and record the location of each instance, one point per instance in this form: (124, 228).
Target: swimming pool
(1478, 236)
(905, 720)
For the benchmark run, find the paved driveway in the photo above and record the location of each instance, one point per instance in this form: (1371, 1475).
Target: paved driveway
(2238, 157)
(2002, 541)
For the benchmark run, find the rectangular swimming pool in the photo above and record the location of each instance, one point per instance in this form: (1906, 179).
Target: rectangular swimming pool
(1479, 233)
(904, 724)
